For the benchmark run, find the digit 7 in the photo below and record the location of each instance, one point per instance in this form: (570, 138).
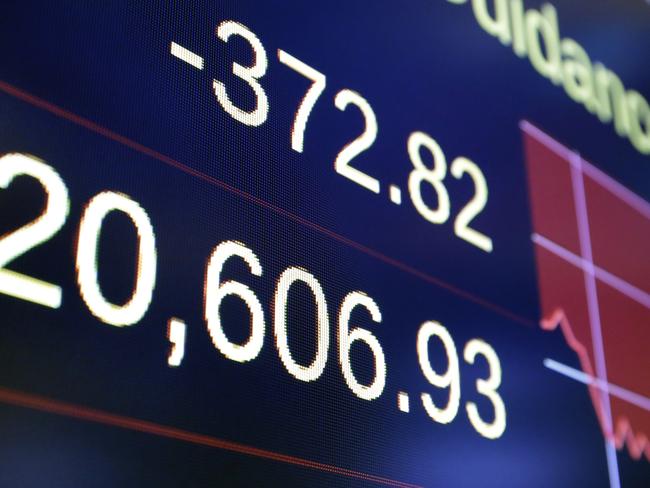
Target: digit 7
(308, 101)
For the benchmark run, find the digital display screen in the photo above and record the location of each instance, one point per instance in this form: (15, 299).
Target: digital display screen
(325, 244)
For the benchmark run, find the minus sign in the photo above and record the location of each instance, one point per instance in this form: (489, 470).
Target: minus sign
(186, 55)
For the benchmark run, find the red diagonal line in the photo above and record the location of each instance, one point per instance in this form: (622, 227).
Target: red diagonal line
(43, 404)
(136, 146)
(637, 444)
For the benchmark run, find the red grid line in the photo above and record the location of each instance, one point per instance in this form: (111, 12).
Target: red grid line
(136, 146)
(35, 402)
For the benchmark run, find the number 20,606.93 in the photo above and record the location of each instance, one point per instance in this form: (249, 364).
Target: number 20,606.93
(55, 213)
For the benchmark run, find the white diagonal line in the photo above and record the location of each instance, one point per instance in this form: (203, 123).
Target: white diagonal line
(609, 388)
(614, 281)
(558, 148)
(186, 55)
(613, 186)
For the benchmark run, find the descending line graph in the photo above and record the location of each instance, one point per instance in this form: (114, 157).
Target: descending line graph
(591, 236)
(622, 434)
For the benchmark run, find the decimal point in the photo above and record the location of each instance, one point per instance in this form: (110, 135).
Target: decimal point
(403, 402)
(395, 194)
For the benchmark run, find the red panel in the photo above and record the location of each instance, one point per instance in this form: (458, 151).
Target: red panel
(562, 290)
(625, 326)
(620, 236)
(551, 195)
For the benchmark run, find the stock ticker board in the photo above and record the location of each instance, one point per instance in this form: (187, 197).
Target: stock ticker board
(339, 244)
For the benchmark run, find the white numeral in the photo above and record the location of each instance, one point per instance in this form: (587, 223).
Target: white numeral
(308, 101)
(90, 228)
(459, 167)
(216, 291)
(347, 337)
(433, 176)
(449, 379)
(36, 232)
(494, 429)
(250, 74)
(360, 144)
(315, 369)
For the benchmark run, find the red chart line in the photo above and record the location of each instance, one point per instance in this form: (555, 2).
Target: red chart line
(621, 432)
(637, 443)
(136, 146)
(43, 404)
